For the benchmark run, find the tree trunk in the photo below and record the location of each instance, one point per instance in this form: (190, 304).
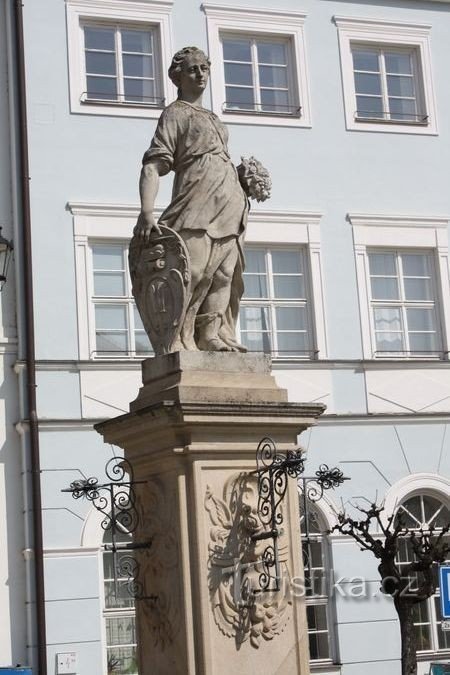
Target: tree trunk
(408, 635)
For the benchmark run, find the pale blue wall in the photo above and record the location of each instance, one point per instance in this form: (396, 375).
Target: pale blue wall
(96, 159)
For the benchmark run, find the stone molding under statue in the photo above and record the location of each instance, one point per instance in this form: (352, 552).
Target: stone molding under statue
(187, 268)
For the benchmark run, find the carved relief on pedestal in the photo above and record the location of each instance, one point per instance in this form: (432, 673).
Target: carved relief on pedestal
(236, 564)
(159, 565)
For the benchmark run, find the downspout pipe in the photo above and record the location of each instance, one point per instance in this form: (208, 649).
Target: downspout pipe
(30, 359)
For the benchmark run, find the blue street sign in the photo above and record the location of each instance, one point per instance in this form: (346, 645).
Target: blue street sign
(444, 583)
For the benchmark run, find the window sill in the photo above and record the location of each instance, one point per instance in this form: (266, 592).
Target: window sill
(263, 118)
(324, 667)
(117, 109)
(392, 126)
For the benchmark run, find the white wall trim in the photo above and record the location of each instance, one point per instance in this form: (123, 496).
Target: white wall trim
(399, 34)
(254, 21)
(156, 13)
(428, 483)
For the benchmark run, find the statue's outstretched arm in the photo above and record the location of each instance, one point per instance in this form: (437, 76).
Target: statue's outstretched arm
(148, 189)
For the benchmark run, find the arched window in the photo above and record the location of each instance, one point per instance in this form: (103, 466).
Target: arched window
(316, 562)
(423, 511)
(118, 612)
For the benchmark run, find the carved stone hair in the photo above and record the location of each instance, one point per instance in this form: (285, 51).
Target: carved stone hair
(178, 60)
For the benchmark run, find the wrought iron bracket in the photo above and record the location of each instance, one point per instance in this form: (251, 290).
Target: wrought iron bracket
(116, 501)
(273, 470)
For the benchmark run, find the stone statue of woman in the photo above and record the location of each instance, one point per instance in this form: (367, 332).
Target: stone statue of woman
(208, 209)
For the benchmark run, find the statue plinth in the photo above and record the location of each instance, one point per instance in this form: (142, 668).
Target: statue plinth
(192, 434)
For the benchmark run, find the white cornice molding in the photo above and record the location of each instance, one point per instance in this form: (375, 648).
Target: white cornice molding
(132, 211)
(128, 5)
(285, 217)
(378, 25)
(235, 13)
(383, 220)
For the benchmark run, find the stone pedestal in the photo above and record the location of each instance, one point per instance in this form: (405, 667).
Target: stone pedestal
(192, 434)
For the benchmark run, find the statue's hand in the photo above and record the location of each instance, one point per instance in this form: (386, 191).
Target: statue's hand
(146, 223)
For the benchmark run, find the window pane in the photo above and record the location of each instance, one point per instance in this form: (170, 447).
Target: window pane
(423, 636)
(389, 342)
(255, 286)
(431, 507)
(317, 617)
(398, 63)
(318, 646)
(415, 265)
(418, 289)
(287, 262)
(99, 38)
(142, 343)
(98, 63)
(237, 50)
(138, 66)
(102, 88)
(411, 512)
(122, 661)
(276, 100)
(382, 264)
(272, 53)
(110, 317)
(255, 261)
(138, 325)
(240, 98)
(420, 319)
(255, 318)
(111, 342)
(369, 106)
(107, 257)
(139, 90)
(400, 86)
(402, 109)
(257, 342)
(422, 342)
(291, 318)
(137, 41)
(293, 343)
(120, 630)
(384, 289)
(238, 73)
(273, 76)
(366, 83)
(288, 287)
(365, 60)
(387, 319)
(109, 283)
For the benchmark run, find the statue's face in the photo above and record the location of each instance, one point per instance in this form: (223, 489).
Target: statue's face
(194, 74)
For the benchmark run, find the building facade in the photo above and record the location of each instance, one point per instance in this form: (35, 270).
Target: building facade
(347, 280)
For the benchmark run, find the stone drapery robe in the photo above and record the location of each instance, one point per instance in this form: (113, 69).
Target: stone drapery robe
(207, 195)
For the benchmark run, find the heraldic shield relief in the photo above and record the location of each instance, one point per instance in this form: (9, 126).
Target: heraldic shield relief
(160, 274)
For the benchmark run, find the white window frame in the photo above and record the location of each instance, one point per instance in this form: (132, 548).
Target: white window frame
(387, 34)
(155, 14)
(114, 223)
(282, 229)
(413, 233)
(271, 302)
(327, 599)
(254, 23)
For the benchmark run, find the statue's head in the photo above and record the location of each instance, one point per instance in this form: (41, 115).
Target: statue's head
(183, 60)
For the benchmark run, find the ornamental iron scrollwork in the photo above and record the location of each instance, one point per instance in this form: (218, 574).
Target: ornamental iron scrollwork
(273, 469)
(115, 500)
(312, 490)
